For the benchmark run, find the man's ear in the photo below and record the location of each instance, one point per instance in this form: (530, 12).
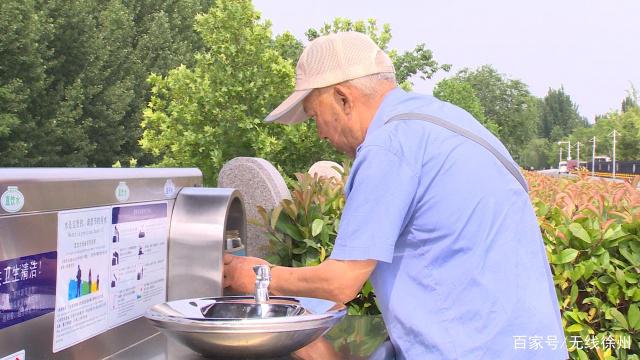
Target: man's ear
(343, 96)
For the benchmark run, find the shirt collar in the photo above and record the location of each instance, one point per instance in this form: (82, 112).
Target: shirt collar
(385, 109)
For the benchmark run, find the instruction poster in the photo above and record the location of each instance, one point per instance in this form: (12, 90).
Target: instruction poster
(138, 260)
(111, 268)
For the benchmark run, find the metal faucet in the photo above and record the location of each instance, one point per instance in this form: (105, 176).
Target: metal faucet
(263, 277)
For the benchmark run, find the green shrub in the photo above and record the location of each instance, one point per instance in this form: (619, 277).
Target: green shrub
(591, 229)
(302, 231)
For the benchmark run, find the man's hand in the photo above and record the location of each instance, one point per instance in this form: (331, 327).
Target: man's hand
(238, 273)
(336, 280)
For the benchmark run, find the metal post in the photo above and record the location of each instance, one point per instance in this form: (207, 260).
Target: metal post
(578, 156)
(593, 157)
(568, 150)
(559, 157)
(614, 152)
(568, 147)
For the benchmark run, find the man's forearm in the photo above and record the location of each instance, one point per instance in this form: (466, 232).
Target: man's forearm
(334, 280)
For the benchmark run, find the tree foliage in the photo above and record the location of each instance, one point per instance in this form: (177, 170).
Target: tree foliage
(538, 154)
(631, 101)
(558, 112)
(207, 114)
(460, 93)
(73, 75)
(418, 62)
(505, 102)
(627, 126)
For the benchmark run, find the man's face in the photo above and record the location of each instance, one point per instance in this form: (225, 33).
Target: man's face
(333, 122)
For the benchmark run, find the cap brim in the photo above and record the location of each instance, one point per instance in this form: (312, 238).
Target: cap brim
(290, 111)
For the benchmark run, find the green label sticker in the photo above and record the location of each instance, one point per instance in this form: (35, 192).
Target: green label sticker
(169, 188)
(122, 192)
(12, 199)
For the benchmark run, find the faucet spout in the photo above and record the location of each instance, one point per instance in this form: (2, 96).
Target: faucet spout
(263, 277)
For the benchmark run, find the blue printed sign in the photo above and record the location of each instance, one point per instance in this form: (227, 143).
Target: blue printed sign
(138, 213)
(27, 288)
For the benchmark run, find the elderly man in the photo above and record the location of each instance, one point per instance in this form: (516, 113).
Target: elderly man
(437, 215)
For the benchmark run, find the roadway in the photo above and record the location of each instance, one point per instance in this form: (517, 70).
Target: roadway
(555, 173)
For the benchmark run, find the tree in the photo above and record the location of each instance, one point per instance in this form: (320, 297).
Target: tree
(559, 111)
(73, 78)
(628, 144)
(418, 62)
(506, 103)
(165, 38)
(207, 114)
(23, 80)
(631, 101)
(539, 154)
(460, 93)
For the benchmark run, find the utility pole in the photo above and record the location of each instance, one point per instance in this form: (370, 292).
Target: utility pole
(614, 132)
(568, 149)
(560, 156)
(568, 156)
(593, 157)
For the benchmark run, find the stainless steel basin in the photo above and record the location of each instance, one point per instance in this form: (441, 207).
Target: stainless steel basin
(237, 326)
(244, 310)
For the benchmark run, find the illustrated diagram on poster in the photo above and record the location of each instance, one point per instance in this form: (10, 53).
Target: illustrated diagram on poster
(83, 254)
(138, 259)
(112, 264)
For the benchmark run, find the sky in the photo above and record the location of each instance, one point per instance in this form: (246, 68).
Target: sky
(589, 47)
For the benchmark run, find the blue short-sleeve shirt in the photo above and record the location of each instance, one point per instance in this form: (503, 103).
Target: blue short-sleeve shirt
(462, 271)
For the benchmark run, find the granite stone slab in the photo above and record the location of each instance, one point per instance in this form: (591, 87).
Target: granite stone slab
(260, 184)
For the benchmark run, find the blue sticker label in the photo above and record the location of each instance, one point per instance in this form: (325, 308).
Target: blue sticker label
(27, 288)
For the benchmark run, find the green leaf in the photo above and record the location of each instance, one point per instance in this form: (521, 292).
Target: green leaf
(300, 250)
(575, 328)
(577, 273)
(312, 244)
(574, 293)
(612, 293)
(633, 259)
(578, 231)
(316, 227)
(589, 267)
(620, 276)
(605, 259)
(582, 355)
(634, 317)
(573, 316)
(565, 256)
(619, 318)
(605, 279)
(367, 288)
(288, 228)
(614, 232)
(274, 216)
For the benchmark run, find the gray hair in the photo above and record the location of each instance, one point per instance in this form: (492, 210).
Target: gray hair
(370, 84)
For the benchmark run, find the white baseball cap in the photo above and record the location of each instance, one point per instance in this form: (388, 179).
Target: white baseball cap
(330, 60)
